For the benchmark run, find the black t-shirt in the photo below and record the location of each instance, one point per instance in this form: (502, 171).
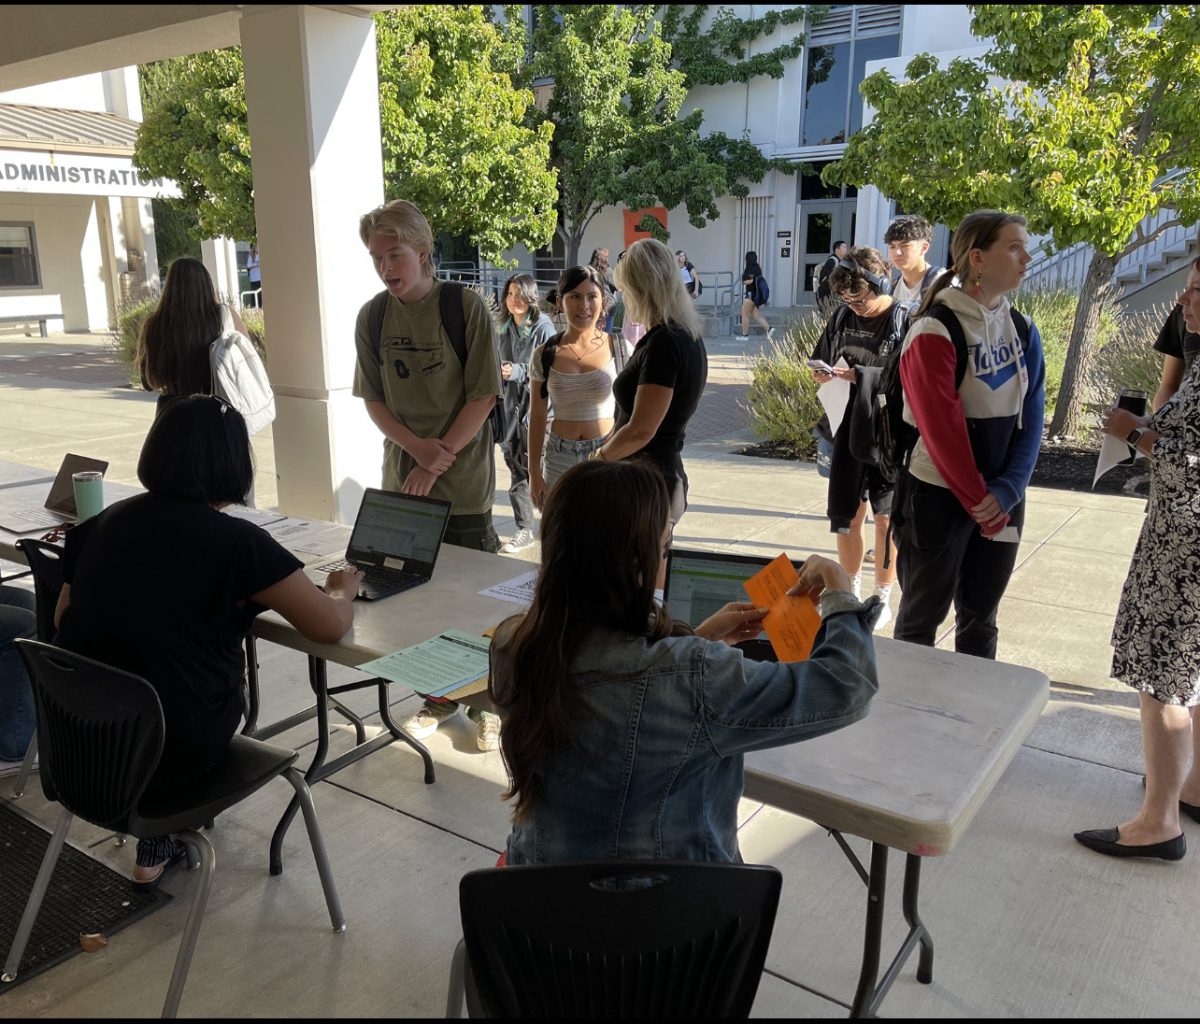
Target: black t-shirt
(155, 590)
(857, 338)
(670, 358)
(1176, 340)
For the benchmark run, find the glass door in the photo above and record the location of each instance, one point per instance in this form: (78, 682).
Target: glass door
(818, 226)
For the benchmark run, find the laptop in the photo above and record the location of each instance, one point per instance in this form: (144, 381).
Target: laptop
(395, 542)
(700, 583)
(59, 507)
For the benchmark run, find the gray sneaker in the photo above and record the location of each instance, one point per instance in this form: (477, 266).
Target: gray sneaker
(425, 722)
(520, 541)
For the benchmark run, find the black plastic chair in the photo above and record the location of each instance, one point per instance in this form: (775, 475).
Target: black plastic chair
(613, 939)
(101, 734)
(45, 562)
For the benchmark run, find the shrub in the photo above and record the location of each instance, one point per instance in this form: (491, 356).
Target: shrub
(782, 398)
(1128, 360)
(1054, 314)
(123, 342)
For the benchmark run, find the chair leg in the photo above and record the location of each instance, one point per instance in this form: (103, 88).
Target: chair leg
(454, 994)
(191, 930)
(296, 778)
(13, 964)
(26, 768)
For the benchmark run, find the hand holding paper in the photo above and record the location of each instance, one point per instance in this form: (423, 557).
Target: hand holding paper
(792, 621)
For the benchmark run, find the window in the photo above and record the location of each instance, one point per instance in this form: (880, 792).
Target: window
(839, 48)
(18, 257)
(812, 187)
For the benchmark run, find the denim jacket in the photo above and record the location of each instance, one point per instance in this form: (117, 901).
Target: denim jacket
(667, 723)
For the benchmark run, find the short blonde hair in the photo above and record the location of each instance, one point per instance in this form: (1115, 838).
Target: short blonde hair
(405, 222)
(652, 287)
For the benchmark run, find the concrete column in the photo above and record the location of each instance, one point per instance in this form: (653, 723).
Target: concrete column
(101, 292)
(145, 213)
(219, 256)
(312, 96)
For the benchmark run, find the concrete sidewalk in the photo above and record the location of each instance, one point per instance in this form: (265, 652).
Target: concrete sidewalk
(1025, 921)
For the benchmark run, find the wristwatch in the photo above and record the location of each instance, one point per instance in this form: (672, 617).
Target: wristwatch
(1134, 436)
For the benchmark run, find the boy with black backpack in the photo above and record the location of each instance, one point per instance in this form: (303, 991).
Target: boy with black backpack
(867, 330)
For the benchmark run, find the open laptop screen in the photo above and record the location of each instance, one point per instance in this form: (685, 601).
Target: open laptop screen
(61, 498)
(398, 527)
(700, 583)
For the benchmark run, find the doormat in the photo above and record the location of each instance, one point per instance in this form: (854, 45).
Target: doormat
(86, 897)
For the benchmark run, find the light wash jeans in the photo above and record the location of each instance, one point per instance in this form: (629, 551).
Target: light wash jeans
(559, 455)
(17, 716)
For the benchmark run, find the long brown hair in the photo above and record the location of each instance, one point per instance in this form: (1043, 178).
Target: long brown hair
(173, 347)
(978, 230)
(602, 540)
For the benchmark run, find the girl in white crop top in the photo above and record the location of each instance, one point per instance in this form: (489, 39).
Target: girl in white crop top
(579, 385)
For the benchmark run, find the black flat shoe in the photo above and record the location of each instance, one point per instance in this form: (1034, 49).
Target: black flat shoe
(1104, 840)
(1191, 810)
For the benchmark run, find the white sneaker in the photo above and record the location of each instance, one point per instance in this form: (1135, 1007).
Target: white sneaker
(771, 334)
(425, 723)
(487, 736)
(741, 337)
(522, 539)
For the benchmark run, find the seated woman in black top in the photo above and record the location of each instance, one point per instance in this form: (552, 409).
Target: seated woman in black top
(661, 385)
(165, 586)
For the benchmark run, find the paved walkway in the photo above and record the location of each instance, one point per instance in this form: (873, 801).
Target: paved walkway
(1027, 922)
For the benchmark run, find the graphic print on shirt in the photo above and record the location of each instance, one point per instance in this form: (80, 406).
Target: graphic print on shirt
(996, 365)
(408, 356)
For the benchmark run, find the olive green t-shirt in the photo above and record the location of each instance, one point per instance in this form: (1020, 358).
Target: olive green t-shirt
(419, 377)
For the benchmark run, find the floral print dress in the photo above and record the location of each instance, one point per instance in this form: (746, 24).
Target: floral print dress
(1156, 637)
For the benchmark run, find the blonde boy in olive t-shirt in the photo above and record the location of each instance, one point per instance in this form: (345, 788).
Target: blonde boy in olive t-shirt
(431, 409)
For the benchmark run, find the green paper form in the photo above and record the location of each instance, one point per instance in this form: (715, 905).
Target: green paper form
(435, 666)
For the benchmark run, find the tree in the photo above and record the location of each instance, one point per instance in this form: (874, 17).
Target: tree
(1093, 131)
(618, 89)
(453, 128)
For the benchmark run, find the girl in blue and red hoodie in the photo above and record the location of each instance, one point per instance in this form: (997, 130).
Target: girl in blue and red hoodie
(962, 501)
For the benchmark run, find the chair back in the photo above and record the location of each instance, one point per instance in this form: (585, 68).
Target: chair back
(647, 939)
(100, 733)
(45, 561)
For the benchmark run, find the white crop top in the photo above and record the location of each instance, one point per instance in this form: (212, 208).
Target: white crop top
(578, 396)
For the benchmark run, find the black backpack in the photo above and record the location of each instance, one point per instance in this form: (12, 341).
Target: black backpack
(451, 309)
(895, 438)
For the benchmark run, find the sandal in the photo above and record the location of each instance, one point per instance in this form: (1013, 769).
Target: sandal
(159, 870)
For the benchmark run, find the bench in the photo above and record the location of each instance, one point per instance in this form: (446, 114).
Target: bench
(28, 321)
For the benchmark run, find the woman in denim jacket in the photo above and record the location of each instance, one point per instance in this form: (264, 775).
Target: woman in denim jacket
(624, 739)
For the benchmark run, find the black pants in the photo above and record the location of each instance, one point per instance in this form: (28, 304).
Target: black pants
(516, 458)
(472, 531)
(943, 558)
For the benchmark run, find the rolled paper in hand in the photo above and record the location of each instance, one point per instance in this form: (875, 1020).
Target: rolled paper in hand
(89, 493)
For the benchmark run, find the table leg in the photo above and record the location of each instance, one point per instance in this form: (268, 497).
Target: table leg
(251, 688)
(385, 713)
(864, 998)
(912, 884)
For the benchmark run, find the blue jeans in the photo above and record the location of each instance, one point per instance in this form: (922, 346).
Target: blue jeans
(17, 716)
(559, 455)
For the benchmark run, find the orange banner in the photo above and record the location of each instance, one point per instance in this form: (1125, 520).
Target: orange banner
(634, 217)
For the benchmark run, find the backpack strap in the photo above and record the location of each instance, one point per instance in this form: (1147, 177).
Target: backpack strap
(944, 315)
(449, 306)
(375, 319)
(899, 328)
(1022, 326)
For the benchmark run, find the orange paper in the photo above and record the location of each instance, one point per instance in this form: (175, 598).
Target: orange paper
(792, 622)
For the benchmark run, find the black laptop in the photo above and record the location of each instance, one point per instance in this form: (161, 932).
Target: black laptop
(700, 583)
(395, 542)
(59, 507)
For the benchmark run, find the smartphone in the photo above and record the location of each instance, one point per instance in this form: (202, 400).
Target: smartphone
(821, 365)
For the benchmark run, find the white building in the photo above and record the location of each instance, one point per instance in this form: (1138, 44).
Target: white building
(792, 220)
(76, 227)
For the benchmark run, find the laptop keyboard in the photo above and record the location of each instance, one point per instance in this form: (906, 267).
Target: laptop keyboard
(377, 575)
(36, 516)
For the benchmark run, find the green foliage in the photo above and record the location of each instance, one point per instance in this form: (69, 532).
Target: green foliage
(455, 139)
(454, 132)
(1128, 359)
(782, 398)
(176, 232)
(618, 136)
(1053, 311)
(717, 55)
